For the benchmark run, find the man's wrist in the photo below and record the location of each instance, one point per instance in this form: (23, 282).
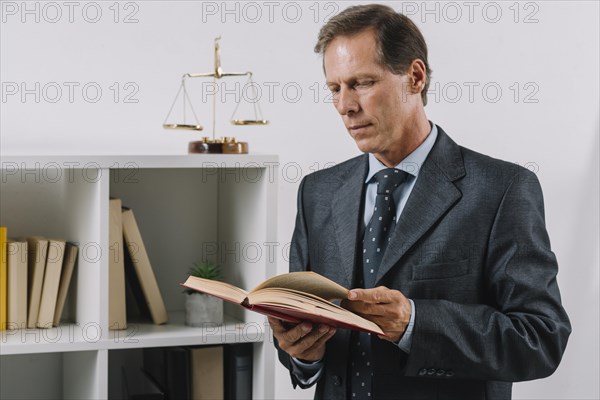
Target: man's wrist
(307, 362)
(405, 341)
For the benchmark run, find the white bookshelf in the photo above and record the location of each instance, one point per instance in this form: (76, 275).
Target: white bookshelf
(188, 207)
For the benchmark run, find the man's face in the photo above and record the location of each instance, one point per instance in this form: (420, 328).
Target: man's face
(374, 103)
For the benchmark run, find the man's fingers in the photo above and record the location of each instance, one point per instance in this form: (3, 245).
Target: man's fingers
(320, 341)
(298, 332)
(385, 310)
(291, 335)
(276, 325)
(304, 341)
(363, 308)
(325, 337)
(379, 294)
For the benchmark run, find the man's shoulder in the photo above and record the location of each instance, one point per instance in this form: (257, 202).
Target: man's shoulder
(480, 165)
(485, 171)
(476, 161)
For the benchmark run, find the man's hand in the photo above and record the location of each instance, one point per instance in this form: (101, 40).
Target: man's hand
(388, 308)
(304, 341)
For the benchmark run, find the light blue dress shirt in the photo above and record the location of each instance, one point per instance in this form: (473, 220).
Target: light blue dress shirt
(308, 373)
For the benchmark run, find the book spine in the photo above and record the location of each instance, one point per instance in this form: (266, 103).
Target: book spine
(178, 373)
(17, 285)
(155, 365)
(138, 385)
(207, 372)
(37, 249)
(143, 268)
(117, 310)
(69, 261)
(238, 375)
(54, 261)
(3, 278)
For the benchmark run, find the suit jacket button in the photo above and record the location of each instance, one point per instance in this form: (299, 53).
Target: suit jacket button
(440, 372)
(449, 373)
(431, 371)
(337, 381)
(423, 371)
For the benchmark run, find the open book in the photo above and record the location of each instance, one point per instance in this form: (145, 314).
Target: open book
(292, 297)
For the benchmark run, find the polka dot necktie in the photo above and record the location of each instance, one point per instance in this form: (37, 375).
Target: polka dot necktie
(379, 229)
(375, 241)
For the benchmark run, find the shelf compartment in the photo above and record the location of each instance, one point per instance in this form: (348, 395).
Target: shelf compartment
(73, 375)
(186, 215)
(66, 204)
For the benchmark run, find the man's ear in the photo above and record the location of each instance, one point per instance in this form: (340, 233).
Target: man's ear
(417, 73)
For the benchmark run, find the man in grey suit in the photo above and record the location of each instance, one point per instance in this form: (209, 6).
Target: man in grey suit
(446, 249)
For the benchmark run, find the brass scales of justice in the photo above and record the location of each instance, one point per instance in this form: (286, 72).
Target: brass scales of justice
(228, 144)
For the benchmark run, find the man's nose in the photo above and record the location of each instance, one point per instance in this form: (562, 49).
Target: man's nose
(346, 102)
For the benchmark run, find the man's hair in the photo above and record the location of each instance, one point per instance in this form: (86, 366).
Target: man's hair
(398, 38)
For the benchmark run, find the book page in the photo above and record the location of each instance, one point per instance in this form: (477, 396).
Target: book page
(220, 289)
(307, 282)
(303, 306)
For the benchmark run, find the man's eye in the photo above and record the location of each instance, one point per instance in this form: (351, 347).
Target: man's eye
(364, 83)
(334, 89)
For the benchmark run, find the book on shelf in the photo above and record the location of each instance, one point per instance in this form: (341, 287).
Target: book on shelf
(37, 248)
(178, 373)
(135, 303)
(155, 364)
(69, 261)
(16, 317)
(169, 367)
(3, 276)
(207, 372)
(139, 270)
(238, 371)
(54, 262)
(292, 297)
(194, 372)
(117, 314)
(138, 385)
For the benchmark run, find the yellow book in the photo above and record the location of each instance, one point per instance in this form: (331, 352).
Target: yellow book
(3, 277)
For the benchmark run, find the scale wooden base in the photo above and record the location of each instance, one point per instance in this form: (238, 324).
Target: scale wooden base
(226, 145)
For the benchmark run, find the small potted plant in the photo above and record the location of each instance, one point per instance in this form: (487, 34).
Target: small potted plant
(201, 308)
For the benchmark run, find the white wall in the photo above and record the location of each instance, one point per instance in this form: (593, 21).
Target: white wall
(544, 51)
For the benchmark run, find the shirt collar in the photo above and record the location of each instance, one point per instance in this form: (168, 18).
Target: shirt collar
(412, 163)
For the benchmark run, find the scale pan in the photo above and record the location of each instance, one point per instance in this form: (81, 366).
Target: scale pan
(249, 122)
(187, 127)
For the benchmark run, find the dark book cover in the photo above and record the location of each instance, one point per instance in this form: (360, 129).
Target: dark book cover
(238, 371)
(137, 385)
(155, 365)
(169, 367)
(137, 307)
(178, 373)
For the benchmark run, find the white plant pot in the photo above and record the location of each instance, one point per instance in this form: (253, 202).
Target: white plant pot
(203, 309)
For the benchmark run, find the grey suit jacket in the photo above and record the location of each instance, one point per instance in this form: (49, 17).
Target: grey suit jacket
(471, 250)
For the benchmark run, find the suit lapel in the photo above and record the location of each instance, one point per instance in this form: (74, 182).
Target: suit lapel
(347, 217)
(432, 196)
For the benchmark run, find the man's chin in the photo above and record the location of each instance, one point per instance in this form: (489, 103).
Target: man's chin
(365, 146)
